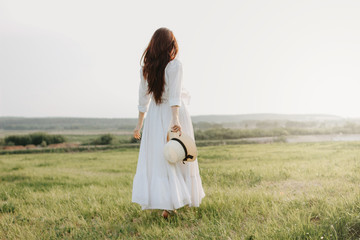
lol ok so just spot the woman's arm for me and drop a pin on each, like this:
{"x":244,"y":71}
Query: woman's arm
{"x":175,"y":123}
{"x":143,"y":104}
{"x":174,"y":72}
{"x":139,"y":125}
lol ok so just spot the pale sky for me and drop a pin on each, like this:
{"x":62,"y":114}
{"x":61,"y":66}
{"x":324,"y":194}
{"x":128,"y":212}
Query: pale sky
{"x":81,"y":58}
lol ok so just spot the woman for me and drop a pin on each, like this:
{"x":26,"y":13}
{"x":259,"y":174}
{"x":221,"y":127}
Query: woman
{"x":159,"y":184}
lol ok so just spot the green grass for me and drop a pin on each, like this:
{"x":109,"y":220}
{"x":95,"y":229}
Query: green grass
{"x":253,"y":191}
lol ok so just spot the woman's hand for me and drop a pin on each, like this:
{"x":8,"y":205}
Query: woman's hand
{"x":175,"y":125}
{"x":138,"y":127}
{"x":137,"y":134}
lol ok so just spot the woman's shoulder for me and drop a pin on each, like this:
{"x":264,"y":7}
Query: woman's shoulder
{"x":173,"y":65}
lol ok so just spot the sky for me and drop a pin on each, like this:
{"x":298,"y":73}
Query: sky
{"x":82,"y":58}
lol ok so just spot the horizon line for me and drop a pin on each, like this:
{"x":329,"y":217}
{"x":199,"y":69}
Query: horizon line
{"x":199,"y":115}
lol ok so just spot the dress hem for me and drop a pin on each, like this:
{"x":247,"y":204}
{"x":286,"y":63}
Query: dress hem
{"x":145,"y":207}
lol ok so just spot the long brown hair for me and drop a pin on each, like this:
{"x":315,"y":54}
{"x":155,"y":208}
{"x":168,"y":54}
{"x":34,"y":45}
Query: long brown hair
{"x":161,"y":50}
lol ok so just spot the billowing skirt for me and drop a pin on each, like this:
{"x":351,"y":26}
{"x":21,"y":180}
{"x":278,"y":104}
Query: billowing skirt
{"x":158,"y":184}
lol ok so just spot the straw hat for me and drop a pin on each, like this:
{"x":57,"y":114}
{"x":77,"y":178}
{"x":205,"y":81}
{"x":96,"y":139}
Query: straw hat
{"x":179,"y":148}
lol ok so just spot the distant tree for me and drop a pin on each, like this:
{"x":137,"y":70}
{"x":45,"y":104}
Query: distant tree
{"x":33,"y":138}
{"x":43,"y":144}
{"x":104,"y":139}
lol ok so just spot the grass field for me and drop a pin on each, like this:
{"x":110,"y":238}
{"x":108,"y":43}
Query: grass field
{"x":253,"y":191}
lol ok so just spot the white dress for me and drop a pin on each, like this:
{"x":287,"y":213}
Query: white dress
{"x":158,"y":184}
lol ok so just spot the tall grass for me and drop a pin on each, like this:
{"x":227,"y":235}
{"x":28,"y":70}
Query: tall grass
{"x":262,"y":191}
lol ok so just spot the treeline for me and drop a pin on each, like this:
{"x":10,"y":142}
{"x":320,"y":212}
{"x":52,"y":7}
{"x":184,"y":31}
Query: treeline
{"x":200,"y":122}
{"x":227,"y":133}
{"x":214,"y":132}
{"x":46,"y":124}
{"x":44,"y":139}
{"x":32,"y":138}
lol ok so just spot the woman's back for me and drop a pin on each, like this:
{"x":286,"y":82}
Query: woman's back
{"x":173,"y":83}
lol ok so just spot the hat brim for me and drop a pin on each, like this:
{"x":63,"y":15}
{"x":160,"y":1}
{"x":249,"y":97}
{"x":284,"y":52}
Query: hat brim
{"x":187,"y":141}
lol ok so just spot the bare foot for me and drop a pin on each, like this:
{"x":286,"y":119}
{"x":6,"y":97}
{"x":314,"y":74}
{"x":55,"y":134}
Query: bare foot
{"x":165,"y":214}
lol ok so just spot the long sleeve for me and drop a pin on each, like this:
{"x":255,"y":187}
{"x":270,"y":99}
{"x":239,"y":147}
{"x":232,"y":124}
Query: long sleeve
{"x":175,"y":74}
{"x":144,"y":97}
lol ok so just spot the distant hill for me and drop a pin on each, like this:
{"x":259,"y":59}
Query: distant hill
{"x":264,"y":117}
{"x":65,"y":123}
